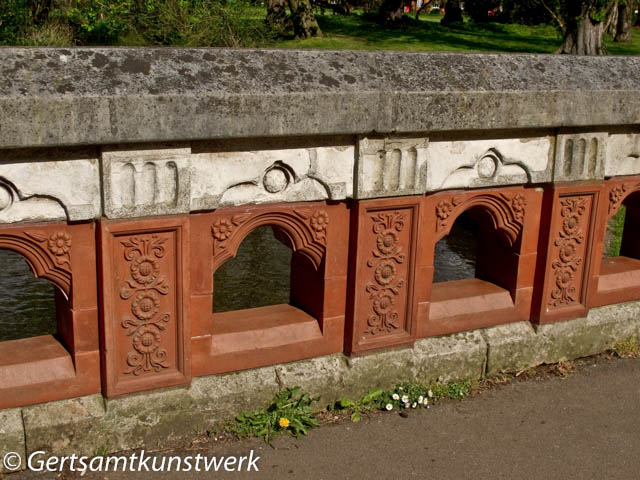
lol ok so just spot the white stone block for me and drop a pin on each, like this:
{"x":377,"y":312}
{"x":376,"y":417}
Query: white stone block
{"x":484,"y":163}
{"x":36,"y":190}
{"x":580,"y":156}
{"x":391,"y":167}
{"x":139,"y":182}
{"x":623,"y":155}
{"x":289,"y":175}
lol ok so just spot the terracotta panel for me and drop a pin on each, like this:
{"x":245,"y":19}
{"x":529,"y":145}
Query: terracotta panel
{"x":569,"y":255}
{"x":64,"y":255}
{"x":508,"y":224}
{"x":145,"y":324}
{"x":312,"y":325}
{"x":381,"y":305}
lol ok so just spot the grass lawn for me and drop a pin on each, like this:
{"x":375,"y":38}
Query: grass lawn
{"x":360,"y":32}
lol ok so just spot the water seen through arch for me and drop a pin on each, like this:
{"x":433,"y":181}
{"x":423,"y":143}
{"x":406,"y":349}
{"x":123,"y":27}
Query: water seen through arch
{"x":27,"y":304}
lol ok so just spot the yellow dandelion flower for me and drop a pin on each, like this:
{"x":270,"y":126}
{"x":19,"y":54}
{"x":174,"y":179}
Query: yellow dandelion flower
{"x":284,"y":422}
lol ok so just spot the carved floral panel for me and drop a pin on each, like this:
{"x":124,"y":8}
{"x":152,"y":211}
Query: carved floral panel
{"x":569,"y":251}
{"x":146,"y":314}
{"x":385,"y":240}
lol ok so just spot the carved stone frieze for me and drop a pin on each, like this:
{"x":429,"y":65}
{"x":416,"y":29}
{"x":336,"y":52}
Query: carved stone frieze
{"x":390,"y":167}
{"x":139,"y":182}
{"x":623,"y":155}
{"x":39,"y":190}
{"x":580,"y":156}
{"x":482,"y":163}
{"x":268,"y":176}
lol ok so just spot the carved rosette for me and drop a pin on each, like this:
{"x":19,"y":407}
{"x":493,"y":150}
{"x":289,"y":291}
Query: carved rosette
{"x":569,"y":258}
{"x":444,"y":209}
{"x":386,"y":285}
{"x":616,"y":195}
{"x":518,"y":204}
{"x":58,"y":244}
{"x":144,"y":287}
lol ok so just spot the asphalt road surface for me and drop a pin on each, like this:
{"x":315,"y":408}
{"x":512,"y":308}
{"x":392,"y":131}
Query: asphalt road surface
{"x":583,"y":426}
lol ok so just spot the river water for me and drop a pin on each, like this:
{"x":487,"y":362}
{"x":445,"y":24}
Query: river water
{"x":258,"y":276}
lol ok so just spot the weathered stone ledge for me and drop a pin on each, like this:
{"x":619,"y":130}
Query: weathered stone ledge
{"x":100,"y":96}
{"x":84,"y":425}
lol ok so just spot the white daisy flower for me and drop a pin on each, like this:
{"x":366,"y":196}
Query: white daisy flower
{"x":405,"y":399}
{"x":395,"y":396}
{"x":389,"y":406}
{"x":430,"y":393}
{"x":406,"y":405}
{"x":420,"y":399}
{"x":400,"y":388}
{"x":414,"y":405}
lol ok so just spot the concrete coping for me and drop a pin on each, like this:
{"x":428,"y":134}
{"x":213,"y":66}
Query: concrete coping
{"x":98,"y":96}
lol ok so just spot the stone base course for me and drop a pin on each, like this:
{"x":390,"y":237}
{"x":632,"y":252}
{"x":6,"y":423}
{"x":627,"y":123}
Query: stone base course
{"x":163,"y":417}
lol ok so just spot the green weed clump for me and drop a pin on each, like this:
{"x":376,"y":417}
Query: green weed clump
{"x":289,"y":412}
{"x":404,"y":396}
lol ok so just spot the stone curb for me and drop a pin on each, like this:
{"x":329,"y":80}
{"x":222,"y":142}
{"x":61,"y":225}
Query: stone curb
{"x":91,"y":424}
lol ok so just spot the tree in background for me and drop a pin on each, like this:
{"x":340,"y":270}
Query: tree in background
{"x":452,"y":13}
{"x":624,"y":19}
{"x":302,"y":18}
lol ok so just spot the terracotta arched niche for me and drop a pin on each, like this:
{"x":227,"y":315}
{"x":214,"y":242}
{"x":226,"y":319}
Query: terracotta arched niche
{"x":303,"y":230}
{"x":48,"y":255}
{"x":508,"y":221}
{"x":618,"y":278}
{"x":310,"y":324}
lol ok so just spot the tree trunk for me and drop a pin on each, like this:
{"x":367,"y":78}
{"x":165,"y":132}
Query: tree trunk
{"x":304,"y":20}
{"x":391,"y":12}
{"x":611,"y":25}
{"x":583,"y":35}
{"x":452,"y":13}
{"x":625,"y":17}
{"x":277,"y":18}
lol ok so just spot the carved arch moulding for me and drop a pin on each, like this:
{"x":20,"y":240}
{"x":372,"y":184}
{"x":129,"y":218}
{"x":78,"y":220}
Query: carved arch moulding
{"x":506,"y":210}
{"x":48,"y":254}
{"x":304,"y":228}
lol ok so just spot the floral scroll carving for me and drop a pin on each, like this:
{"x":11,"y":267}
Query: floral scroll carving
{"x":569,"y":258}
{"x":616,"y":196}
{"x":386,"y":286}
{"x":145,"y":286}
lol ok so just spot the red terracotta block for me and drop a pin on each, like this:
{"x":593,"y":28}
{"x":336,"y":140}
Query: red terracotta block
{"x":312,"y":325}
{"x":507,"y":219}
{"x":381,"y":309}
{"x":41,"y":369}
{"x":567,"y":255}
{"x":617,"y":279}
{"x":145,"y":315}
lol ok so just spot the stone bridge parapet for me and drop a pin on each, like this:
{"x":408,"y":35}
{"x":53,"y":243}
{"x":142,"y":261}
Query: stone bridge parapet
{"x":129,"y":176}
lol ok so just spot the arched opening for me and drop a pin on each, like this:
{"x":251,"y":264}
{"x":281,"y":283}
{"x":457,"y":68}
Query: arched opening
{"x":620,"y":266}
{"x":267,"y":296}
{"x":455,"y":254}
{"x":28,"y":307}
{"x":475,"y":268}
{"x":258,"y":276}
